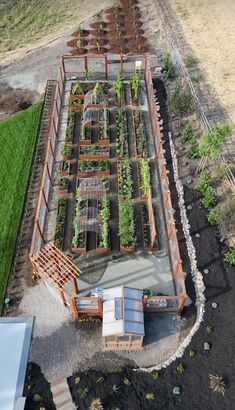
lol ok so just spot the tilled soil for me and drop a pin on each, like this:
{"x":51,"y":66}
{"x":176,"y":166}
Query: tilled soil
{"x":194,"y":383}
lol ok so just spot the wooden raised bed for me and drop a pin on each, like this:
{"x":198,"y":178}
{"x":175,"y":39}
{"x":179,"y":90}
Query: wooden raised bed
{"x":85,"y":142}
{"x":92,"y":173}
{"x":127,"y":249}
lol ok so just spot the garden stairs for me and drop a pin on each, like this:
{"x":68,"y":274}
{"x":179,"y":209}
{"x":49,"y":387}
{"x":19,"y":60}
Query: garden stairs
{"x":61,"y":395}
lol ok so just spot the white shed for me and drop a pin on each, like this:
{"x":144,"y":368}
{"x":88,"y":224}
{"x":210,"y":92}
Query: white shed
{"x":123,"y":319}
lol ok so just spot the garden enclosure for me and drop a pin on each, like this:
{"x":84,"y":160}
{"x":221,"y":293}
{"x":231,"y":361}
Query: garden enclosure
{"x":91,"y":184}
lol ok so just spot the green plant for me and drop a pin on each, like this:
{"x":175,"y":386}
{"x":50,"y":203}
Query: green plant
{"x":119,"y":86}
{"x":83,"y":392}
{"x":190,"y":61}
{"x":205,"y":181}
{"x":209,"y":329}
{"x":169,"y":66}
{"x":155,"y":375}
{"x":125,"y":181}
{"x":149,"y":396}
{"x":188,"y":133}
{"x":180,"y":368}
{"x":115,"y":388}
{"x":100,"y":379}
{"x":135,"y":86}
{"x":181,"y":101}
{"x":64,"y":182}
{"x":105,"y":212}
{"x":194,"y":152}
{"x":126,"y":223}
{"x":37,"y":397}
{"x":214,"y":216}
{"x":212,"y":142}
{"x":77,"y":380}
{"x":126,"y":381}
{"x":230,"y":257}
{"x":192,"y":353}
{"x":195,"y":78}
{"x":67,"y":151}
{"x":145,"y":176}
{"x":210,"y":198}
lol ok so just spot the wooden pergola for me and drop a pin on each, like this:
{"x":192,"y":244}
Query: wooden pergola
{"x":60,"y":276}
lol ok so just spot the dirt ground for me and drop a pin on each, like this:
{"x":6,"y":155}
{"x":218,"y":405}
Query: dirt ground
{"x":210,"y":29}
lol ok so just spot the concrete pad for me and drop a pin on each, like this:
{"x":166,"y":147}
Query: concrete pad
{"x":142,"y":271}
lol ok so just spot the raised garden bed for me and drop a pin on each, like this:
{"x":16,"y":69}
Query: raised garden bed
{"x":122,"y":135}
{"x":60,"y":223}
{"x":67,"y":151}
{"x":94,"y":152}
{"x":65,"y":168}
{"x":140,"y":134}
{"x":98,"y":168}
{"x":64,"y":184}
{"x":125,"y":180}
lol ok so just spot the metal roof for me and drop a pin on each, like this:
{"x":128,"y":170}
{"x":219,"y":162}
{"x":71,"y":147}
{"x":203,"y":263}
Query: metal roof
{"x":122,"y":312}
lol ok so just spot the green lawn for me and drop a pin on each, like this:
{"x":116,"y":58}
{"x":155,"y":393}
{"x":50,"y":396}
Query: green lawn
{"x":17,"y":144}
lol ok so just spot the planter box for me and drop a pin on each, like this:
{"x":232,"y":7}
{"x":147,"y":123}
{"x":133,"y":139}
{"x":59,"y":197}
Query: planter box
{"x":92,"y":173}
{"x":102,"y":250}
{"x":104,"y":142}
{"x":79,"y":250}
{"x":127,"y":249}
{"x":84,"y":142}
{"x":93,"y":157}
{"x":66,"y":157}
{"x":63,"y":192}
{"x":76,"y":107}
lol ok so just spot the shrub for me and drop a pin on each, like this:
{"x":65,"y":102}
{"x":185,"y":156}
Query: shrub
{"x":210,"y":198}
{"x":205,"y":181}
{"x":212,"y":142}
{"x":155,"y":375}
{"x":230,"y":257}
{"x":181,"y":101}
{"x":214,"y":216}
{"x":180,"y":368}
{"x":83,"y":392}
{"x":169,"y":66}
{"x":192,"y":353}
{"x":150,"y":396}
{"x":190,"y":61}
{"x":194,"y":152}
{"x":188,"y":133}
{"x":37,"y":397}
{"x":209,"y":329}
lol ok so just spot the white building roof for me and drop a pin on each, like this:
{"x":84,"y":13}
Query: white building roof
{"x":15,"y":338}
{"x":122,"y":312}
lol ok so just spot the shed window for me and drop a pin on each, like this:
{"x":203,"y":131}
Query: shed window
{"x":118,"y":309}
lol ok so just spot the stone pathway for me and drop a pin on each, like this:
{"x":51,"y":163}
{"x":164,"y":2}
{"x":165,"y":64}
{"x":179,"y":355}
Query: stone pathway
{"x":61,"y":395}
